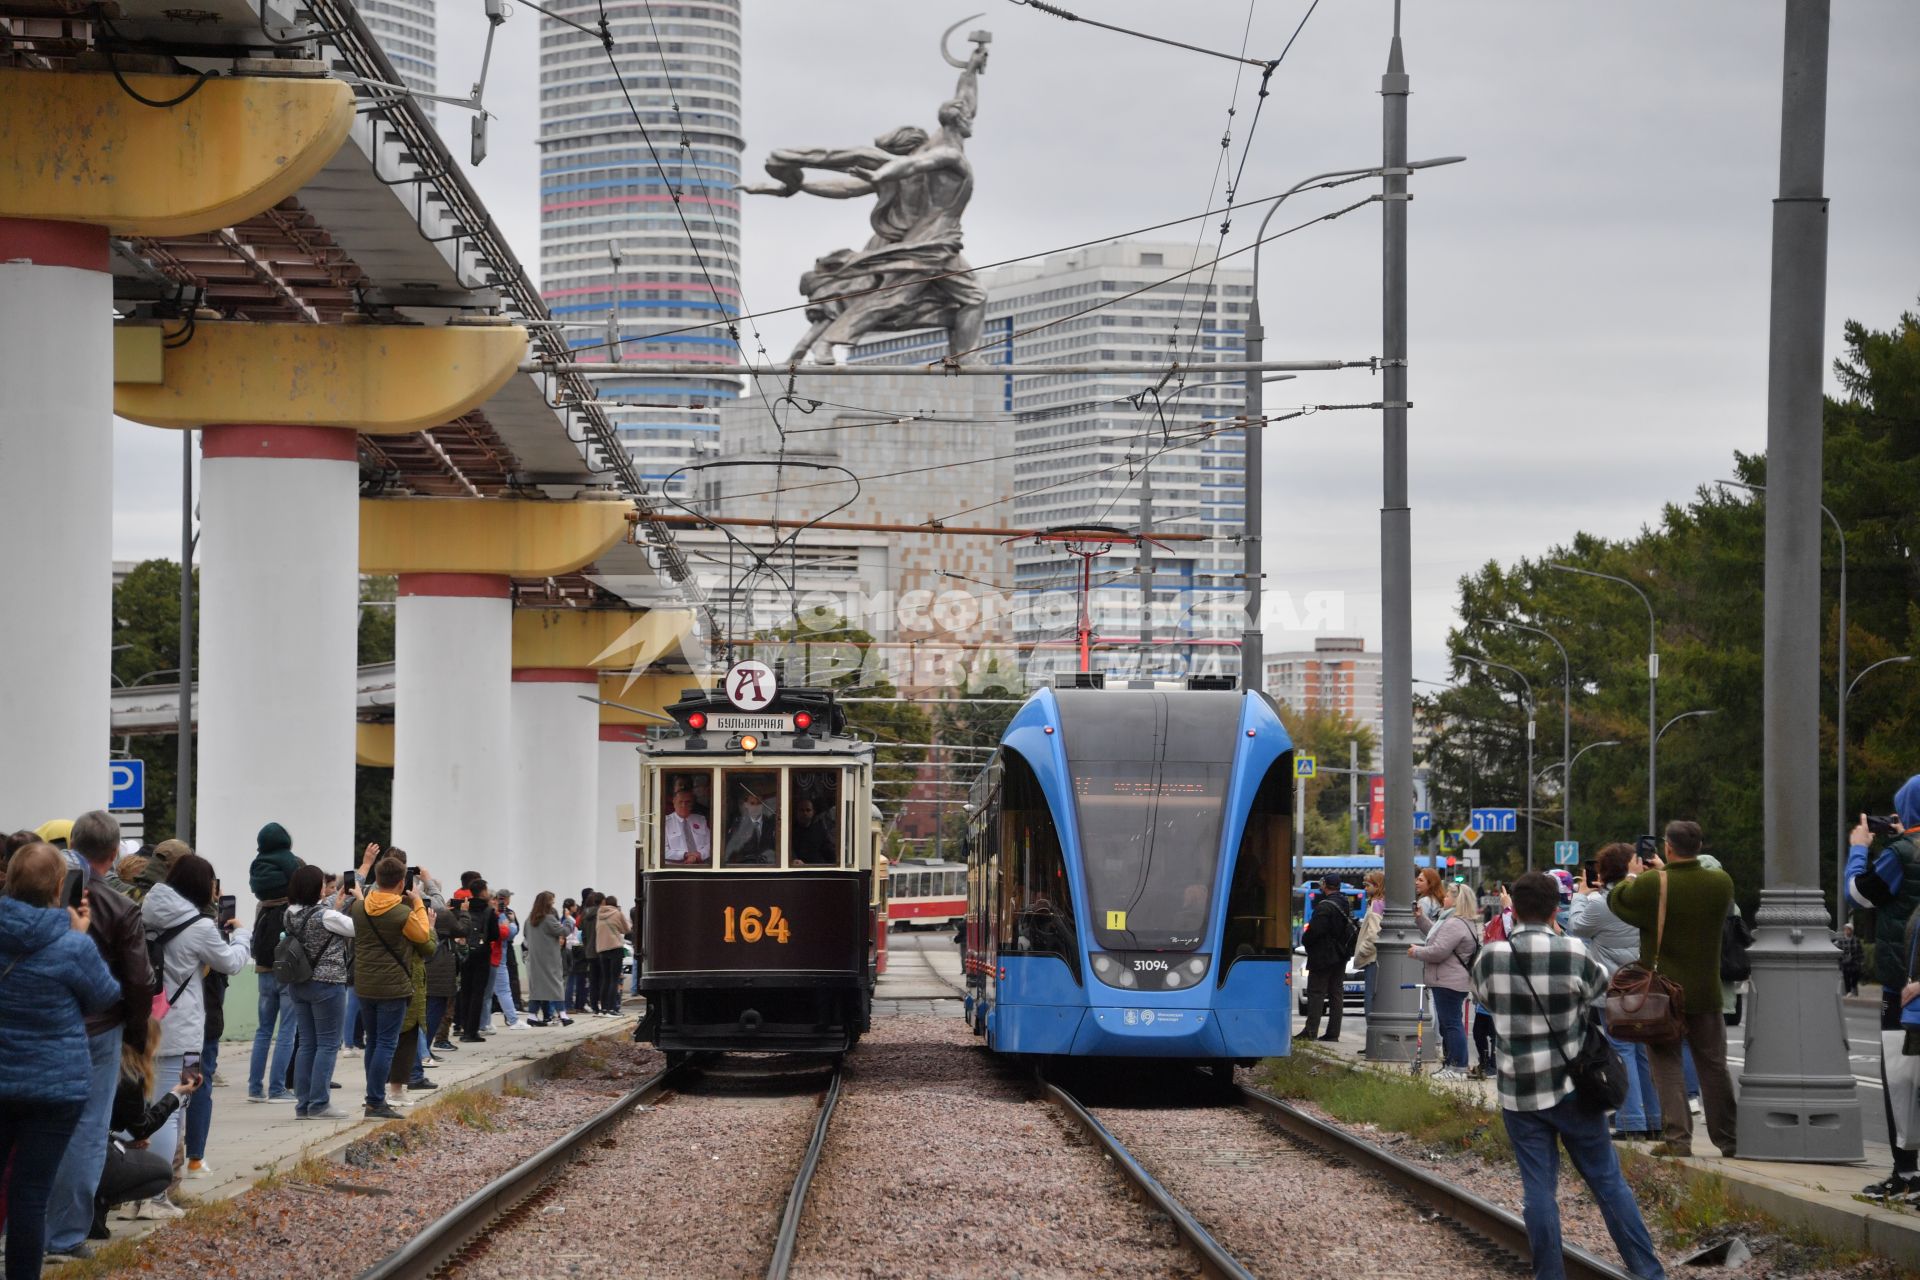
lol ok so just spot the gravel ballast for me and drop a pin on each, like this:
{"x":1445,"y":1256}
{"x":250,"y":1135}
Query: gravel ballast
{"x":941,"y":1163}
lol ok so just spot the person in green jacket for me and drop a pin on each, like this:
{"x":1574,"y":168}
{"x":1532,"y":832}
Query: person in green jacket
{"x":1687,"y":952}
{"x":389,"y":927}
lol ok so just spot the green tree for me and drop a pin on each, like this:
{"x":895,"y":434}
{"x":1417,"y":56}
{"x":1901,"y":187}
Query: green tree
{"x":146,"y":612}
{"x":1701,"y":567}
{"x":373,"y":788}
{"x":1323,"y":733}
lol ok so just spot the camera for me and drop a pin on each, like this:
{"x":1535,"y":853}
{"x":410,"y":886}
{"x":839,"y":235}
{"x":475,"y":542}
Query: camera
{"x":1885,"y":828}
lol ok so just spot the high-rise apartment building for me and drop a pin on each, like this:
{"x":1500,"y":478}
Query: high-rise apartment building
{"x":1083,"y":442}
{"x":405,"y":31}
{"x":1338,"y":674}
{"x":611,"y":233}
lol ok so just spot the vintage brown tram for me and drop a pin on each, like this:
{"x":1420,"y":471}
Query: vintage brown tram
{"x":756,"y":875}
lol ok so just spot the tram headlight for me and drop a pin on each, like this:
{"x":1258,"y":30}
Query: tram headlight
{"x":1196,"y":966}
{"x":1126,"y":978}
{"x":1173,"y":977}
{"x":1102,"y":965}
{"x":748,"y":742}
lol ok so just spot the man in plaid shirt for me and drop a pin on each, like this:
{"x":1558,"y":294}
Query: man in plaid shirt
{"x":1540,"y":986}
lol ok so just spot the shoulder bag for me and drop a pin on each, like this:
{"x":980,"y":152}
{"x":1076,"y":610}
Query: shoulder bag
{"x":292,"y":964}
{"x":1643,"y":1006}
{"x":1598,"y":1074}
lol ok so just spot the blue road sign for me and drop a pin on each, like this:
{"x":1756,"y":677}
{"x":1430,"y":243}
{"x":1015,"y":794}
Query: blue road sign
{"x":1495,"y":820}
{"x":1304,"y":766}
{"x":127,"y":784}
{"x":1566,"y":853}
{"x":1422,"y":820}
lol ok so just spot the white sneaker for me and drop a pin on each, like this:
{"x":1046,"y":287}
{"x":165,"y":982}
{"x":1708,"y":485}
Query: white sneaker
{"x":159,"y":1209}
{"x":1693,"y":1105}
{"x":349,"y":1051}
{"x":331,"y":1113}
{"x":1449,"y":1073}
{"x":199,"y":1169}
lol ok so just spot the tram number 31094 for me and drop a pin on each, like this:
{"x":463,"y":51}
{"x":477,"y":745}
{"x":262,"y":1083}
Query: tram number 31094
{"x":751,"y":925}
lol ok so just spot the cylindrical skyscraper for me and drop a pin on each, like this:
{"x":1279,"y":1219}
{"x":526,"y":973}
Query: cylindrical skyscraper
{"x":405,"y":31}
{"x":611,"y":233}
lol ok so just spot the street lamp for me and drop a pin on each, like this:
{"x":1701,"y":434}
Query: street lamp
{"x":1568,"y":780}
{"x":1566,"y":694}
{"x":1252,"y":643}
{"x":1840,"y":686}
{"x":1653,"y":680}
{"x":1686,"y":715}
{"x":1528,"y":686}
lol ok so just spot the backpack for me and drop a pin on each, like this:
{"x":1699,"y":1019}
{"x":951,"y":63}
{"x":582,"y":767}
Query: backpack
{"x":157,"y":962}
{"x":291,"y":962}
{"x":1735,"y":938}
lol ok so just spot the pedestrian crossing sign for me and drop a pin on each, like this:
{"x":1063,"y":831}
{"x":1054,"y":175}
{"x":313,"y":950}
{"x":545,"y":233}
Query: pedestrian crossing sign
{"x":1304,"y":766}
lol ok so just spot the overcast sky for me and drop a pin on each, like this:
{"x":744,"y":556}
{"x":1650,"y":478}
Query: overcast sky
{"x":1588,"y":293}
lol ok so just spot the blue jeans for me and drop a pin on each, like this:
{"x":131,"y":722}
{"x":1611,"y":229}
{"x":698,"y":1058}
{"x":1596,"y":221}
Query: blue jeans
{"x":384,"y":1018}
{"x":549,"y":1010}
{"x":321,"y":1008}
{"x":1449,"y":1009}
{"x":502,"y":993}
{"x":430,"y":1029}
{"x":200,"y":1105}
{"x":1583,"y":1132}
{"x":70,"y":1199}
{"x":1641,"y":1111}
{"x":276,"y":1004}
{"x":36,"y":1136}
{"x":1372,"y":972}
{"x":351,"y":1032}
{"x":579,"y":983}
{"x":167,"y":1070}
{"x":1686,"y":1066}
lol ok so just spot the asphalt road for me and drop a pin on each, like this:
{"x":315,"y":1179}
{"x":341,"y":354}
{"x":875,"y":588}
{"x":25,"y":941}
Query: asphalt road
{"x":1863,"y":1054}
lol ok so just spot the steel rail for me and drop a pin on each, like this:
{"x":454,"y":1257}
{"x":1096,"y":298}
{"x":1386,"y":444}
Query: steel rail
{"x":426,"y":1254}
{"x":789,"y":1233}
{"x":1481,"y":1217}
{"x":1214,"y":1260}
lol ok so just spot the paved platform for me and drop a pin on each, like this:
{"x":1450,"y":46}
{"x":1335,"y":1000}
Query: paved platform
{"x":923,"y":974}
{"x":1819,"y":1197}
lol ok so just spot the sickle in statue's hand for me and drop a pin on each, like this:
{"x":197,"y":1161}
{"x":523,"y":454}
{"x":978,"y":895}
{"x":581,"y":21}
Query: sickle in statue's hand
{"x":951,"y":60}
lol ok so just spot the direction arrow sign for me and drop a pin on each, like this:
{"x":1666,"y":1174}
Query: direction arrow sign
{"x":1304,"y":766}
{"x":1566,"y":853}
{"x":127,"y":784}
{"x":1495,"y":820}
{"x":1422,"y":820}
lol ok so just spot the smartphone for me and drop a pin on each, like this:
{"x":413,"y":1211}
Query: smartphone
{"x":1591,"y":870}
{"x":413,"y":873}
{"x":347,"y":878}
{"x":1885,"y":828}
{"x":1647,"y":847}
{"x":71,"y":889}
{"x":225,"y":912}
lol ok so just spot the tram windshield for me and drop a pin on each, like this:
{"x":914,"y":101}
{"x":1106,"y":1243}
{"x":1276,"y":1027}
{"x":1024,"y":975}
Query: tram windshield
{"x":1150,"y":774}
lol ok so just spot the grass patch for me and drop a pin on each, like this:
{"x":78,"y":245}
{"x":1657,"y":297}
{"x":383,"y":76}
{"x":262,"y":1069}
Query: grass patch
{"x":514,"y":1089}
{"x":1435,"y":1116}
{"x":471,"y":1108}
{"x":209,"y":1221}
{"x":583,"y":1061}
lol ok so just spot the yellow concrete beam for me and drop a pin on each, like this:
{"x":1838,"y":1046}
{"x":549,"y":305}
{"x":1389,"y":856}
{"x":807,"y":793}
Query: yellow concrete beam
{"x":74,"y":147}
{"x":487,"y":535}
{"x":596,"y":639}
{"x":373,"y":744}
{"x":649,"y":692}
{"x":375,"y":378}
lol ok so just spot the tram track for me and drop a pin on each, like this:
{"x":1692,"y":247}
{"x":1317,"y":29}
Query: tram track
{"x":487,"y":1220}
{"x":1263,"y":1135}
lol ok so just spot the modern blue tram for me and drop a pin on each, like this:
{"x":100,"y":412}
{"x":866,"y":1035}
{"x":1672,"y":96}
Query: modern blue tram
{"x":1129,"y":877}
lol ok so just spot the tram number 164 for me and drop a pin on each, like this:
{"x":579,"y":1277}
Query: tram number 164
{"x":753,"y":925}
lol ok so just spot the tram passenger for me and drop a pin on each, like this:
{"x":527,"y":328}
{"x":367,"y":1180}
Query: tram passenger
{"x":812,"y":842}
{"x":688,"y":838}
{"x":754,"y":839}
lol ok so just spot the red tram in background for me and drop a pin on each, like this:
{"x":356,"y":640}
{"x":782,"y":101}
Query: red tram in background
{"x":922,"y":891}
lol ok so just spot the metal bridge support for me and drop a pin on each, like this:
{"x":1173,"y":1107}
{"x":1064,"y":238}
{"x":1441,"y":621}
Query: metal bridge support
{"x":280,"y":543}
{"x":80,"y":161}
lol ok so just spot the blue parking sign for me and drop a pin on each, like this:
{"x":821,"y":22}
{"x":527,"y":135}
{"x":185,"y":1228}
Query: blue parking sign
{"x":126,"y":784}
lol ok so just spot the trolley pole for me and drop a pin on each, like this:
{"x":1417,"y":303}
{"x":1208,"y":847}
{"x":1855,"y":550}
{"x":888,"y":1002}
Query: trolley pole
{"x":1391,"y":1028}
{"x":1797,"y":1096}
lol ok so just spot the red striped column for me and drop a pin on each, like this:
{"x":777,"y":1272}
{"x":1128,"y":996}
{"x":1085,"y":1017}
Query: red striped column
{"x":56,"y":490}
{"x":556,"y":737}
{"x":279,"y":625}
{"x":453,"y":669}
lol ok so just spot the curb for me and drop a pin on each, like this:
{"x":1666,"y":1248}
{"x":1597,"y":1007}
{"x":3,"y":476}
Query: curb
{"x":1846,"y":1222}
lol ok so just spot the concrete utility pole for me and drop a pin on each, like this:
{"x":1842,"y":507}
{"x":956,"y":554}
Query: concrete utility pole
{"x":1797,"y":1095}
{"x":183,"y":760}
{"x":1390,"y":1028}
{"x":1146,"y":573}
{"x":1353,"y":796}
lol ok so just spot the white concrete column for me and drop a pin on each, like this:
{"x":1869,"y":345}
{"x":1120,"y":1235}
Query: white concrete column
{"x":279,"y":619}
{"x":453,"y":672}
{"x":56,"y":490}
{"x":614,"y":871}
{"x":556,"y":771}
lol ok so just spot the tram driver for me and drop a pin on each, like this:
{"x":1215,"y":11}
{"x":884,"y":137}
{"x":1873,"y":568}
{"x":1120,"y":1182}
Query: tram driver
{"x":754,"y":840}
{"x":688,"y":839}
{"x":812,"y":842}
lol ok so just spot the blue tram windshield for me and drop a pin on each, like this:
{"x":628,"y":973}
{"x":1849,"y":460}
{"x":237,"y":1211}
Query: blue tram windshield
{"x":1150,"y":774}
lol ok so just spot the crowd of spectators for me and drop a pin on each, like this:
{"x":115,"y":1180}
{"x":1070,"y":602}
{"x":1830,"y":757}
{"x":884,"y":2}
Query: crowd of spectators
{"x":113,"y":978}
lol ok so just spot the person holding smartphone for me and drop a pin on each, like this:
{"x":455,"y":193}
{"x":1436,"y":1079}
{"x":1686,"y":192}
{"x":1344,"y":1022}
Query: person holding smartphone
{"x":1889,"y":882}
{"x":1615,"y":943}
